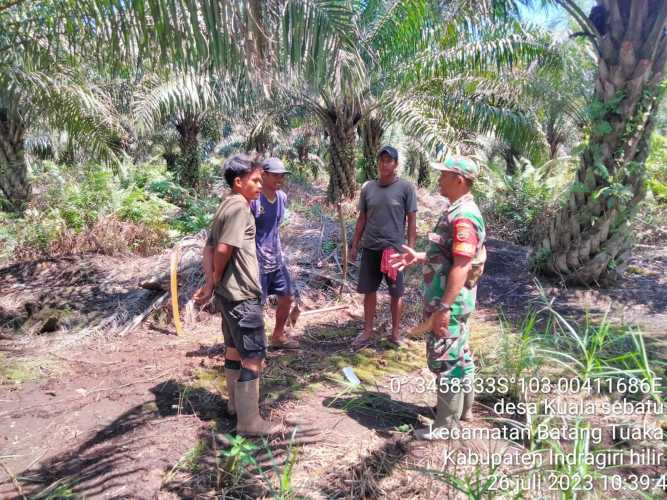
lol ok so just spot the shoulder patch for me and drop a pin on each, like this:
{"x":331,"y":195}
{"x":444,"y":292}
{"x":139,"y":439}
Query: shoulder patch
{"x":463,"y":249}
{"x":465,"y":238}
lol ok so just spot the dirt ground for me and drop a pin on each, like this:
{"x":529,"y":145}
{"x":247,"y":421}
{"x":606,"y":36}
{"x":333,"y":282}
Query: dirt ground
{"x":142,"y":415}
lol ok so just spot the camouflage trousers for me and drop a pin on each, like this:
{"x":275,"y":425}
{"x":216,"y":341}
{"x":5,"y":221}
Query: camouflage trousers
{"x":450,"y":357}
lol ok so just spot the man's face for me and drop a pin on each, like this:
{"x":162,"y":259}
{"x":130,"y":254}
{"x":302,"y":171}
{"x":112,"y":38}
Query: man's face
{"x":273,"y":182}
{"x":387,"y":165}
{"x":250,"y":186}
{"x":446,"y":182}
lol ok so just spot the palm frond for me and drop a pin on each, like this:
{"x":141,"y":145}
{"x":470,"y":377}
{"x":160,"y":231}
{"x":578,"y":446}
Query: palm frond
{"x":311,"y":31}
{"x":425,"y":123}
{"x":401,"y":29}
{"x":187,"y":93}
{"x":66,"y":103}
{"x":481,"y":48}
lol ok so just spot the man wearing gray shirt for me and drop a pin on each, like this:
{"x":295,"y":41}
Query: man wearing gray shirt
{"x":385,"y":205}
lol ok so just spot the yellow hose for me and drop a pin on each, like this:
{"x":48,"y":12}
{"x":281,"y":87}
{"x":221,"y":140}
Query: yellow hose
{"x":174,"y":289}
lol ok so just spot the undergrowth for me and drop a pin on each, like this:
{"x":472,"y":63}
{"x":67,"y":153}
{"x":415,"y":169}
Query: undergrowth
{"x":137,"y":209}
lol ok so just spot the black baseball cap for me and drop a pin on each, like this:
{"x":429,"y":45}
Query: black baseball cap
{"x":274,"y":166}
{"x":389,"y":150}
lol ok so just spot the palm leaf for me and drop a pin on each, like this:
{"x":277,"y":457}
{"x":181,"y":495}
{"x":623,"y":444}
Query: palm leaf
{"x":67,"y":103}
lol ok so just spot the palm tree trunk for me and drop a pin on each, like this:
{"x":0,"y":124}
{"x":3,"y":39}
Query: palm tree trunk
{"x":342,"y":180}
{"x":371,"y":131}
{"x":188,"y":129}
{"x":510,"y":155}
{"x":171,"y":158}
{"x":416,"y":162}
{"x":423,"y":171}
{"x":589,"y":239}
{"x":14,"y":183}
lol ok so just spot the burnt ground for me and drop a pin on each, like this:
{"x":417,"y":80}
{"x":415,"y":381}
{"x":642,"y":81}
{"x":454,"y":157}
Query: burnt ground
{"x":100,"y":415}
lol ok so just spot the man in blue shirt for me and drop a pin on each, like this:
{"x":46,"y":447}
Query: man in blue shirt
{"x":269,"y":211}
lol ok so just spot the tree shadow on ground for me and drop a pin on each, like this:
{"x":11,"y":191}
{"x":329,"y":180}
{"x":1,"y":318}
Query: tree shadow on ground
{"x":81,"y":288}
{"x":101,"y":465}
{"x":212,"y":351}
{"x":507,"y":283}
{"x":378,"y":411}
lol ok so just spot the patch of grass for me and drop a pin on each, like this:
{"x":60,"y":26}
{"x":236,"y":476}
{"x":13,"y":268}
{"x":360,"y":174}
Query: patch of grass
{"x":475,"y":485}
{"x":484,"y":336}
{"x":188,"y":462}
{"x":59,"y":490}
{"x":513,"y":352}
{"x":593,"y":350}
{"x":210,"y":378}
{"x":16,"y":372}
{"x":638,"y":270}
{"x":300,"y":374}
{"x":371,"y":365}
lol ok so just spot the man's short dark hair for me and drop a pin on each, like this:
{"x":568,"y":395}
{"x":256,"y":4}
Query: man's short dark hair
{"x":239,"y":166}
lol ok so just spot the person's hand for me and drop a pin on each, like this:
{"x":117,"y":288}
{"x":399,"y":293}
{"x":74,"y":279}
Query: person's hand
{"x":440,"y":323}
{"x":403,"y":260}
{"x":203,"y":295}
{"x":352,"y":254}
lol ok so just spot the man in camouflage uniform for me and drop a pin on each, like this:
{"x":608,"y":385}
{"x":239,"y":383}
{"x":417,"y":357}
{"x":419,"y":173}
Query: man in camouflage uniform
{"x":453,"y":263}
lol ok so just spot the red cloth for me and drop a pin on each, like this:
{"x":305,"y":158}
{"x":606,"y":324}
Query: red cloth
{"x":385,"y":265}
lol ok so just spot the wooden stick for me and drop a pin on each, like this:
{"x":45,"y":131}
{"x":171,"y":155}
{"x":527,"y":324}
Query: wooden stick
{"x":319,"y":243}
{"x":142,"y":315}
{"x":174,"y":290}
{"x":322,"y":275}
{"x":423,"y":327}
{"x":13,"y":478}
{"x":343,"y":235}
{"x":313,"y":312}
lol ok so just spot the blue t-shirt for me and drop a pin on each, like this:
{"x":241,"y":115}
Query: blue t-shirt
{"x":268,"y":217}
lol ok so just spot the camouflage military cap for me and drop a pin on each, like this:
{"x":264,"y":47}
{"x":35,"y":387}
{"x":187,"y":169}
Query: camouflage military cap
{"x":461,"y":165}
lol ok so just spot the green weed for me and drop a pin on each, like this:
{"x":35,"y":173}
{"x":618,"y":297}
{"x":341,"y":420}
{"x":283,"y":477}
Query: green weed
{"x":188,"y":462}
{"x":519,"y":353}
{"x":63,"y":489}
{"x":475,"y":486}
{"x":17,"y":372}
{"x":283,"y":473}
{"x":238,"y":458}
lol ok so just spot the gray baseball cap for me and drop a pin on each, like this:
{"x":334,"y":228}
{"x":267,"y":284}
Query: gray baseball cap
{"x":274,"y":166}
{"x":389,"y":150}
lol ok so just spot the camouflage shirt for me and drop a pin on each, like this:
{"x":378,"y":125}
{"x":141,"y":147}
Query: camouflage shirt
{"x":459,"y":231}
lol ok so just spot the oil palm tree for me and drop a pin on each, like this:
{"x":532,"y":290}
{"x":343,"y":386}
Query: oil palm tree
{"x":589,"y":238}
{"x":245,"y":38}
{"x":190,"y":104}
{"x":34,"y":99}
{"x":409,"y":62}
{"x":467,"y":83}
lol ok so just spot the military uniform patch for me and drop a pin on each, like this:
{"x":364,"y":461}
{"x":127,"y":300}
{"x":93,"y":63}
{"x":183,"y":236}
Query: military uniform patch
{"x":464,"y":249}
{"x":463,"y":234}
{"x":465,"y":238}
